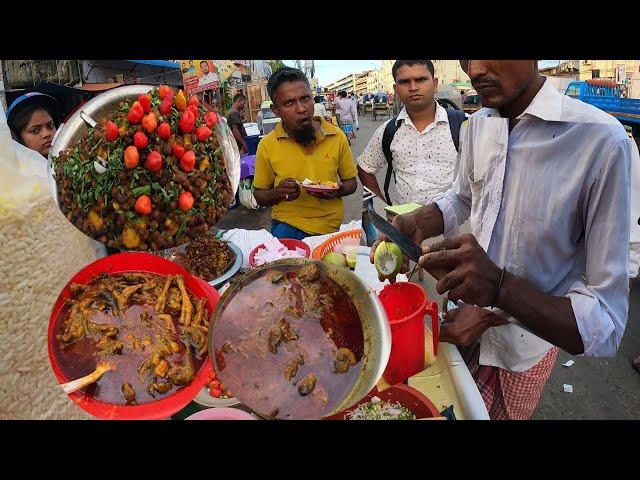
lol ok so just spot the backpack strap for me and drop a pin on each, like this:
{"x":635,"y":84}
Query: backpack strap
{"x":456,"y":118}
{"x":387,"y":137}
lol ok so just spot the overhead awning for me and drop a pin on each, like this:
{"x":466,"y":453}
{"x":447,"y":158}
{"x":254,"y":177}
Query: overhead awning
{"x":157,"y":63}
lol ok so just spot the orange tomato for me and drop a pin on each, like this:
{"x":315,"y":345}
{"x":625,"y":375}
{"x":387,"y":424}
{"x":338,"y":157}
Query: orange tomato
{"x":131,"y":157}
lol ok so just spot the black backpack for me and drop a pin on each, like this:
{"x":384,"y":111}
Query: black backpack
{"x":456,"y":117}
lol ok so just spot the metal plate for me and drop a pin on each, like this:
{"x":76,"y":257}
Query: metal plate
{"x":172,"y":254}
{"x":96,"y":108}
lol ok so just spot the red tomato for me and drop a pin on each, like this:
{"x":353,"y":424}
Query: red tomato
{"x":187,"y":122}
{"x":143,"y":205}
{"x":194,"y":100}
{"x":164,"y":131}
{"x":145,"y":101}
{"x":154,"y":161}
{"x":188,"y":161}
{"x":149,"y":122}
{"x":140,"y":140}
{"x":211,"y":119}
{"x":194,"y":109}
{"x":163,"y":91}
{"x":178,"y":151}
{"x":111,"y":131}
{"x":202,"y":133}
{"x":135,"y":113}
{"x":185,"y":201}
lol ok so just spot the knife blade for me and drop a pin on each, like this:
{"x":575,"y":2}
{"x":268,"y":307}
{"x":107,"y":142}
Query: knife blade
{"x":408,"y":246}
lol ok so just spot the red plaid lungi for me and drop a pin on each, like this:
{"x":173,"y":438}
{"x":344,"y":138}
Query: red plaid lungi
{"x":509,"y":395}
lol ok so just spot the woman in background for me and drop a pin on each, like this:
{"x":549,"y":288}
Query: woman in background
{"x":33,"y":121}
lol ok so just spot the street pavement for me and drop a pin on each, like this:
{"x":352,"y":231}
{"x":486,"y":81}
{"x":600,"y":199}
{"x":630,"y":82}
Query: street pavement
{"x":603,"y":388}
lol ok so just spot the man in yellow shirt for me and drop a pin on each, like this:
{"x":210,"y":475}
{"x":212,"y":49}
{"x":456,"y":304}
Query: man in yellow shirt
{"x":301,"y":147}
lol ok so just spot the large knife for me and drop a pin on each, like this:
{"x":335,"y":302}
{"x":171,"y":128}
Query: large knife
{"x":408,"y":246}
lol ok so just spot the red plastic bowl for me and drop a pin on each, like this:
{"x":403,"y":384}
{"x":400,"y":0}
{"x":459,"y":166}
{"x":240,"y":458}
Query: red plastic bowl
{"x":290,"y":243}
{"x":407,"y":396}
{"x":127,"y":263}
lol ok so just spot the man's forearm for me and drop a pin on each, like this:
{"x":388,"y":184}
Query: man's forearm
{"x":238,"y":136}
{"x":370,"y":181}
{"x":267,"y":197}
{"x":548,"y":317}
{"x":348,"y":187}
{"x":430,"y":220}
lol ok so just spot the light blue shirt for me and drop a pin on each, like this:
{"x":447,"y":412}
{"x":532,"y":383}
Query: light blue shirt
{"x":550,"y":201}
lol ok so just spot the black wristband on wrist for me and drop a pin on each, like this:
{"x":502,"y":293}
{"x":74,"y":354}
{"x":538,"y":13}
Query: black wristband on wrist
{"x":495,"y":300}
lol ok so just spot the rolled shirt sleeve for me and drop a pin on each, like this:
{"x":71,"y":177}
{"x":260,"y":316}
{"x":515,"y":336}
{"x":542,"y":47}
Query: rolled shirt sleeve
{"x":601,"y":303}
{"x":264,"y":176}
{"x":455,"y":203}
{"x":372,"y":159}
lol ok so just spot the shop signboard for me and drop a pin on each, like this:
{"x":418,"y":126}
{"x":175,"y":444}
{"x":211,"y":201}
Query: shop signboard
{"x":199,"y":76}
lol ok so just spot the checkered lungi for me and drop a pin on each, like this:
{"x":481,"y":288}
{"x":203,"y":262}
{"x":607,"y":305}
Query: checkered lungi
{"x":509,"y":395}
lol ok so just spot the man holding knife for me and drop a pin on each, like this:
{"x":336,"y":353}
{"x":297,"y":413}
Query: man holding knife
{"x":545,"y":182}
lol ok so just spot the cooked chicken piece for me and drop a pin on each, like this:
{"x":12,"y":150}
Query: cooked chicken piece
{"x":160,"y":387}
{"x":108,"y":346}
{"x":346,"y":355}
{"x":182,"y":374}
{"x":110,"y":301}
{"x":309,"y":273}
{"x":275,"y":337}
{"x":340,"y":366}
{"x":95,"y":329}
{"x":162,"y":368}
{"x":175,"y":298}
{"x":167,"y":321}
{"x":274,"y":276}
{"x":162,"y":299}
{"x":124,"y":296}
{"x":129,"y":394}
{"x":200,"y":311}
{"x":292,"y":367}
{"x":195,"y":337}
{"x":77,"y":289}
{"x":287,"y":333}
{"x":187,"y":307}
{"x":307,"y":384}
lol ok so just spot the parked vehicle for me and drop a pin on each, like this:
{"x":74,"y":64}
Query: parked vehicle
{"x":471,"y":102}
{"x":610,"y":97}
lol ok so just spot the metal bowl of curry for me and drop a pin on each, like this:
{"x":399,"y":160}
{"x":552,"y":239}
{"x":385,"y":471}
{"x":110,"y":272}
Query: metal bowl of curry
{"x":299,"y":339}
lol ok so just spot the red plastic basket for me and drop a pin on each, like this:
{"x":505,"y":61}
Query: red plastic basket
{"x":329,"y":244}
{"x":290,"y":243}
{"x":145,"y":263}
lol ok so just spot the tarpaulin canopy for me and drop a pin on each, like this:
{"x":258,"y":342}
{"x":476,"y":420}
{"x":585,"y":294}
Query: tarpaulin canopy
{"x":157,"y":63}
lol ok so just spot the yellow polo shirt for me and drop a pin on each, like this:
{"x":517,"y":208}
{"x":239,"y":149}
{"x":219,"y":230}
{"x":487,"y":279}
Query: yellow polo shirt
{"x":279,"y":157}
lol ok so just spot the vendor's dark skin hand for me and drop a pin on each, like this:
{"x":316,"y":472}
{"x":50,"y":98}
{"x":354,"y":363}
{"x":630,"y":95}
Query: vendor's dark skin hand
{"x":345,"y":188}
{"x":462,"y":326}
{"x":472,"y":276}
{"x":406,"y":224}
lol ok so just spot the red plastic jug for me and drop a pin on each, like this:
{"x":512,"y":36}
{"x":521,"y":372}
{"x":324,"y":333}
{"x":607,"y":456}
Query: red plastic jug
{"x":406,"y":305}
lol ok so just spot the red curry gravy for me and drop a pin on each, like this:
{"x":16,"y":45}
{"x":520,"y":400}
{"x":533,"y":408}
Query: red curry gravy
{"x":323,"y":322}
{"x":80,"y":357}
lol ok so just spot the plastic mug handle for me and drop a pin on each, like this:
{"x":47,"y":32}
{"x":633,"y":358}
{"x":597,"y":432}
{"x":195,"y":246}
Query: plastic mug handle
{"x":432,"y":310}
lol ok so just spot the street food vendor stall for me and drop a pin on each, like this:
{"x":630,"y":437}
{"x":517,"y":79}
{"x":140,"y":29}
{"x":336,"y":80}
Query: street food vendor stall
{"x":146,"y":334}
